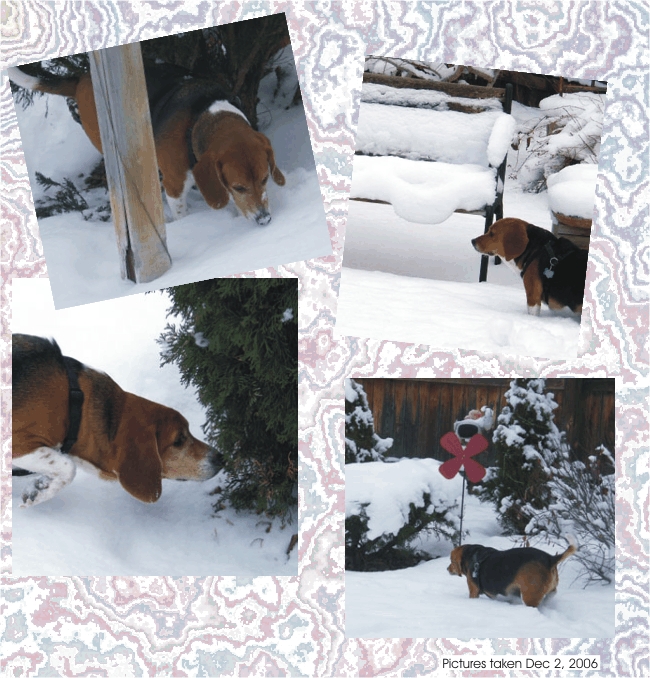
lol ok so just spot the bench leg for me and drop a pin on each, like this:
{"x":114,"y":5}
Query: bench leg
{"x":482,"y":277}
{"x":489,"y":218}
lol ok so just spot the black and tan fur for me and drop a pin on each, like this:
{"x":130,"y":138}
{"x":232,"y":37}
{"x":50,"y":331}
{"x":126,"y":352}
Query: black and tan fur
{"x":527,"y":572}
{"x":122,"y":436}
{"x":525,"y":247}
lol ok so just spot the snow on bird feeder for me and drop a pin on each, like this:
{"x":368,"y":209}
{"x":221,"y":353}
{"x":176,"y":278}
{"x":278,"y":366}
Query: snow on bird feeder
{"x":470,"y":431}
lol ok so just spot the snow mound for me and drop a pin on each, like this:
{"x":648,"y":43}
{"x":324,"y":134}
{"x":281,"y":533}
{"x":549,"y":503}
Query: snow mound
{"x":423,"y":192}
{"x":387,"y":490}
{"x":571,"y":191}
{"x":500,"y":139}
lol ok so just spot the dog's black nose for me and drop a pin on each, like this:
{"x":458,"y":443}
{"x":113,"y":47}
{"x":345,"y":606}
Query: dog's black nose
{"x":263,"y":217}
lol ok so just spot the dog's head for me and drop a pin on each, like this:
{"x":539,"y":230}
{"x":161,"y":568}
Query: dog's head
{"x":506,"y":238}
{"x":237,"y":163}
{"x":245,"y":171}
{"x":152,"y":442}
{"x":456,"y":565}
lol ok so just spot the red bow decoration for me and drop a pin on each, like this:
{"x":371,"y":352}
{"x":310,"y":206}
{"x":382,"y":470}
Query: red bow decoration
{"x":463,"y":457}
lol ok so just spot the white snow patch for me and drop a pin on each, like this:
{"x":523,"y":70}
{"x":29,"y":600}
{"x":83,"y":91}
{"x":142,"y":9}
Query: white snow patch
{"x":484,"y":317}
{"x":200,"y":340}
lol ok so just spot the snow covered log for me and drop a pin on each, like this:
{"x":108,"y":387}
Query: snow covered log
{"x":452,"y":89}
{"x":440,"y":136}
{"x":426,"y":98}
{"x":423,"y":192}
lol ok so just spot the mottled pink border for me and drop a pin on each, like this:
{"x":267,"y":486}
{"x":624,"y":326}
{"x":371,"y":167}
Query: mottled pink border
{"x":272,"y":625}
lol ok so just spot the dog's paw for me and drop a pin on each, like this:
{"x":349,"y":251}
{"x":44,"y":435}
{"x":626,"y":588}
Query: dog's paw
{"x":534,"y":310}
{"x":36,"y":492}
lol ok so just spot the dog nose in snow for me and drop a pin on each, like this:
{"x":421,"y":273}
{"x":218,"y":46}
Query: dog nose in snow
{"x":263,"y":218}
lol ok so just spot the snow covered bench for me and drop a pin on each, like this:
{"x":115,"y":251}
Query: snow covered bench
{"x":415,"y":152}
{"x":571,"y":193}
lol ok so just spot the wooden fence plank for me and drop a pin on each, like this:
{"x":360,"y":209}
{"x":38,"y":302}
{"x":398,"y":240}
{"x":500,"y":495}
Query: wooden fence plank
{"x":417,"y":412}
{"x":130,"y":157}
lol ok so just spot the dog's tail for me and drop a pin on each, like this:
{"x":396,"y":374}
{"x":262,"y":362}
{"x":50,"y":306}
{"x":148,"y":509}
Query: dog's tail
{"x":65,"y":87}
{"x":569,"y":552}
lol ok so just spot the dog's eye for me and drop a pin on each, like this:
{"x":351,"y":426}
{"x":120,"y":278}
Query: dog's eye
{"x":239,"y":189}
{"x":180,"y":440}
{"x":264,"y":181}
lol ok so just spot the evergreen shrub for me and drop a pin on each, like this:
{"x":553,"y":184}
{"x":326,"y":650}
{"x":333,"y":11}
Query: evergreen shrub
{"x":237,"y":344}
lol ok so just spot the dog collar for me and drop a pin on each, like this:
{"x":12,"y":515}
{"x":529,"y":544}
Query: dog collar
{"x":75,"y":403}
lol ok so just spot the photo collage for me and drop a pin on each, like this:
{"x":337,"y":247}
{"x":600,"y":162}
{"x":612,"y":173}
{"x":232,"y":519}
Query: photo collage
{"x":317,"y":336}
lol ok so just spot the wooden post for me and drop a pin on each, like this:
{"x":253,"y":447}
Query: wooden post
{"x":130,"y":157}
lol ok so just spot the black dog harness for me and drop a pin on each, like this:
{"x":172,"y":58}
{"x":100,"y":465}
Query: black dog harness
{"x":476,"y":563}
{"x":549,"y":259}
{"x":75,"y":403}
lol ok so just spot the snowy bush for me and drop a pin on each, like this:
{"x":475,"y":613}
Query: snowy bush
{"x":388,"y":506}
{"x":582,"y":504}
{"x":567,"y":133}
{"x":527,"y":445}
{"x":361,"y":441}
{"x":67,"y":197}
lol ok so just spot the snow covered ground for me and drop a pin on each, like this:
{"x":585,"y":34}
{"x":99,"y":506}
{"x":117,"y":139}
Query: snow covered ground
{"x":427,"y":602}
{"x":418,"y":283}
{"x":82,"y":257}
{"x":94,"y":527}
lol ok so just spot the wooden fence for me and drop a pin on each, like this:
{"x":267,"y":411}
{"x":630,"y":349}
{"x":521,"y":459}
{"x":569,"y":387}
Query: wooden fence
{"x":416,"y":413}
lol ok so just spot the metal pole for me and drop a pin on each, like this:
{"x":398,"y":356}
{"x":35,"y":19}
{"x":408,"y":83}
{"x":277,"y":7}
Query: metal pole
{"x":462,"y":508}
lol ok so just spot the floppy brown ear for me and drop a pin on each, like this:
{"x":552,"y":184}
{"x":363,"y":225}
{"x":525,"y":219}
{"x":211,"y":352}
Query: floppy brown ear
{"x":278,"y":177}
{"x":515,"y":240}
{"x":139,"y":467}
{"x":209,"y":182}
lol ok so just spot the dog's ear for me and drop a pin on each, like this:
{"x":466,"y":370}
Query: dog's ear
{"x":208,"y":180}
{"x":456,"y":558}
{"x":278,"y":177}
{"x":139,"y":467}
{"x":515,"y":240}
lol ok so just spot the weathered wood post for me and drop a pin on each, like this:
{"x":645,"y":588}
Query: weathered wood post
{"x":120,"y":91}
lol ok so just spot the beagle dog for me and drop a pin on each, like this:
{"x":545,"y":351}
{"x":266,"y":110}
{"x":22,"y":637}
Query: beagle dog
{"x":121,"y":436}
{"x":553,"y":269}
{"x":200,"y":138}
{"x":527,"y":572}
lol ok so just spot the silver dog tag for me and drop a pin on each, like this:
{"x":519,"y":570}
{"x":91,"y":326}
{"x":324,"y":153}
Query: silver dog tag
{"x":549,"y":273}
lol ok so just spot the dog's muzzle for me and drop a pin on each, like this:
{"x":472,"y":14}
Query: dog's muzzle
{"x":475,"y":247}
{"x":263,"y":217}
